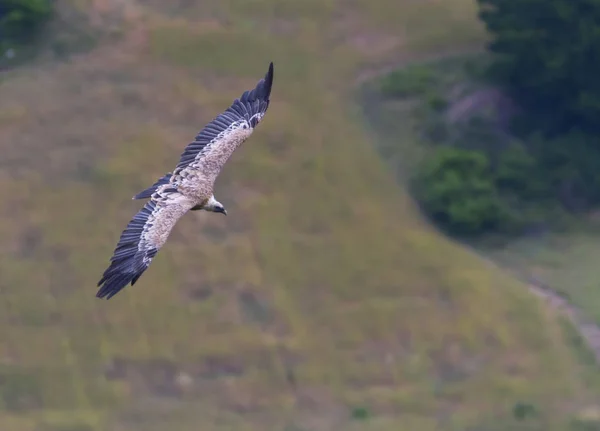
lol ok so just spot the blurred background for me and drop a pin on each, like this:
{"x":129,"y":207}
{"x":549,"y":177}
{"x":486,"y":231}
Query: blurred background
{"x":412,"y":238}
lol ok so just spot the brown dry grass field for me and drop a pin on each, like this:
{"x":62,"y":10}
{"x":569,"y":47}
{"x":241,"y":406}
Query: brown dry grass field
{"x":322,"y":301}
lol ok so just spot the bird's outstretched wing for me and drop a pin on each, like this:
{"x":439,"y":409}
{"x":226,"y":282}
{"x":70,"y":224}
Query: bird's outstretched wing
{"x":142,"y":238}
{"x":213,"y":146}
{"x":145,"y":194}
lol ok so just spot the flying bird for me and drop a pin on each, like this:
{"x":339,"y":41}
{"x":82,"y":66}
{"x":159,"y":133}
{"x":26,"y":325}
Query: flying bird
{"x":188,"y":188}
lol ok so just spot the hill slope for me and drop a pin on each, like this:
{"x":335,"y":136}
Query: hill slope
{"x":322,"y":293}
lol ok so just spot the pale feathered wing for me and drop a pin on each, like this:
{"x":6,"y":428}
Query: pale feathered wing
{"x":202,"y":159}
{"x":145,"y":234}
{"x":176,"y":193}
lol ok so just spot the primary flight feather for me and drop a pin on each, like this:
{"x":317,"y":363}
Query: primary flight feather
{"x":188,"y":188}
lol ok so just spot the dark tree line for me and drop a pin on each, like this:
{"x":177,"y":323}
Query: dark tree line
{"x":545,"y":55}
{"x":548,"y":58}
{"x":20,"y":20}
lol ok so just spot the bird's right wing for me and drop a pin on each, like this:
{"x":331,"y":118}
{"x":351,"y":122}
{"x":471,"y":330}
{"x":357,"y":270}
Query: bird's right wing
{"x":215,"y":143}
{"x":145,"y":234}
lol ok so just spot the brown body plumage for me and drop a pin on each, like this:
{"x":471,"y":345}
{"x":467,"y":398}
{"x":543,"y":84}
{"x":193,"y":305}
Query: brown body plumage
{"x":189,"y":187}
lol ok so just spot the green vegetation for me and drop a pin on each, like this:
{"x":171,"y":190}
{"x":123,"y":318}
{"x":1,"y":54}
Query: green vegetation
{"x":415,"y":80}
{"x":456,"y":187}
{"x":551,"y":183}
{"x":323,"y":301}
{"x":21,"y":20}
{"x":543,"y":158}
{"x":469,"y":193}
{"x":550,"y":168}
{"x":547,"y":58}
{"x":34,"y":30}
{"x":471,"y":178}
{"x":523,"y":183}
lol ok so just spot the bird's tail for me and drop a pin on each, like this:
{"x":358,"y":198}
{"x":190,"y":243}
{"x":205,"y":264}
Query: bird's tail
{"x":148,"y":192}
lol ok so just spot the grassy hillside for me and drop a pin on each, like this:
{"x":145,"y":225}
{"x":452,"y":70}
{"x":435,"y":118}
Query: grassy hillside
{"x":322,"y":302}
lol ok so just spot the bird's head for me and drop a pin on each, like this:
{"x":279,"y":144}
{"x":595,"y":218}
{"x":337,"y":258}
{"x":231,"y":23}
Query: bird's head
{"x":215,"y":206}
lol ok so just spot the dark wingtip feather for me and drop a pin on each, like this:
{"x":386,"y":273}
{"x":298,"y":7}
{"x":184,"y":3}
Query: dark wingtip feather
{"x":268,"y":83}
{"x":121,"y":272}
{"x":262,"y":91}
{"x":111,"y":286}
{"x":117,"y":277}
{"x":128,"y":261}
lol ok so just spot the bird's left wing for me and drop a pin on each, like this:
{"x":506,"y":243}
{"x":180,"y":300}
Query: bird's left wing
{"x":145,"y":234}
{"x":213,"y":146}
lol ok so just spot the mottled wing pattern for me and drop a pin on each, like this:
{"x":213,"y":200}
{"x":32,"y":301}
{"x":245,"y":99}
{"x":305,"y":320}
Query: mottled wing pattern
{"x":218,"y":140}
{"x":142,"y":238}
{"x":201,"y":161}
{"x":150,"y":190}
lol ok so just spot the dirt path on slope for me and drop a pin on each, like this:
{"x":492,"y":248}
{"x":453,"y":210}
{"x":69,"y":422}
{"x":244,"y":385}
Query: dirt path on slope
{"x":588,"y":329}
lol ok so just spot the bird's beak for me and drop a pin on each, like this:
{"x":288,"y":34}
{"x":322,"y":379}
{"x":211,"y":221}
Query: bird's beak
{"x":224,"y":211}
